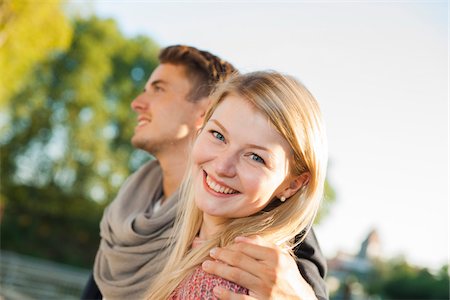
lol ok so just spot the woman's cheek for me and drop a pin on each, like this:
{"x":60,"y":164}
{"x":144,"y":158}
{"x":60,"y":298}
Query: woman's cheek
{"x":252,"y":181}
{"x":198,"y":150}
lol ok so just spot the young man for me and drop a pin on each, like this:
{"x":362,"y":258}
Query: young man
{"x":136,"y":225}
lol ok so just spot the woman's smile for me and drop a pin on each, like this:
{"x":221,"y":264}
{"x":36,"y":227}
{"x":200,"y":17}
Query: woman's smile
{"x":219,"y":188}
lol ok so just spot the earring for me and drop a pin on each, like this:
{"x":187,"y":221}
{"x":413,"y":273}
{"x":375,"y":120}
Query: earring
{"x":282,"y":198}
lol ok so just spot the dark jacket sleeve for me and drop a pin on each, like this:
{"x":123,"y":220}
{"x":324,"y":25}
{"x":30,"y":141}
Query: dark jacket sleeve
{"x":312,"y":265}
{"x":91,"y":291}
{"x":310,"y":262}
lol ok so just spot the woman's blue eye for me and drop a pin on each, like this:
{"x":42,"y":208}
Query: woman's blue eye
{"x":218,"y":135}
{"x":257,"y":158}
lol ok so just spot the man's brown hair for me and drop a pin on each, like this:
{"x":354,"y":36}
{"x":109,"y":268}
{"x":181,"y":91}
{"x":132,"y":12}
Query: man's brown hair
{"x":203,"y":69}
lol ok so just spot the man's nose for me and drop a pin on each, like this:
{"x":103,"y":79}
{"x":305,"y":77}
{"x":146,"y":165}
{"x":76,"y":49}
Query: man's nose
{"x":140,"y":103}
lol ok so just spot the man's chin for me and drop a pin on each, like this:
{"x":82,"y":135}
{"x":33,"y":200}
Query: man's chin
{"x":140,"y":143}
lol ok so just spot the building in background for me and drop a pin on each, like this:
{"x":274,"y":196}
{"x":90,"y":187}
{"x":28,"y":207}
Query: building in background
{"x":348,"y":272}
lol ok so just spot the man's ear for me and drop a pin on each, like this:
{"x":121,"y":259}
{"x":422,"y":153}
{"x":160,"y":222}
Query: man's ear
{"x":202,"y":107}
{"x":295,"y":183}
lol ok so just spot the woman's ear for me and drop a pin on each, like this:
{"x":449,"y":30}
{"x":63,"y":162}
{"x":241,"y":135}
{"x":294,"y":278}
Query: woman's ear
{"x":295,"y":184}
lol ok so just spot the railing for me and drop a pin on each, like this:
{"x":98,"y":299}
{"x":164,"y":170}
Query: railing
{"x":23,"y":277}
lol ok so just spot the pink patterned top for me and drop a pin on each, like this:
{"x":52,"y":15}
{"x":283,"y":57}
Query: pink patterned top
{"x":200,"y":285}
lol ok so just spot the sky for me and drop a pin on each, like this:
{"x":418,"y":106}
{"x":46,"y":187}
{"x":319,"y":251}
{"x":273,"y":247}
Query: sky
{"x":379,"y":71}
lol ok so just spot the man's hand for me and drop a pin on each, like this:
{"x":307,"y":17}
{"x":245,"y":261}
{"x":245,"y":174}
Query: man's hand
{"x":259,"y":266}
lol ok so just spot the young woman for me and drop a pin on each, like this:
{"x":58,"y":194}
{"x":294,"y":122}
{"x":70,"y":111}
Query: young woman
{"x":258,"y":167}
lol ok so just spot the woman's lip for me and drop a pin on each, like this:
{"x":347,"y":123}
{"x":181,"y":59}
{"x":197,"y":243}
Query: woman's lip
{"x":218,"y":181}
{"x":210,"y":190}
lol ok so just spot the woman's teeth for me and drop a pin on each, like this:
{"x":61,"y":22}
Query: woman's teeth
{"x":218,"y":188}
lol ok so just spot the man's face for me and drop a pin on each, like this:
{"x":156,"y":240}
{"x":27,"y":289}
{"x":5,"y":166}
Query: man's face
{"x":165,"y":117}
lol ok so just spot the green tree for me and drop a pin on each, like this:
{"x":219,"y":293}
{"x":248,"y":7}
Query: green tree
{"x":22,"y":43}
{"x":399,"y":280}
{"x":66,"y":150}
{"x":327,"y":203}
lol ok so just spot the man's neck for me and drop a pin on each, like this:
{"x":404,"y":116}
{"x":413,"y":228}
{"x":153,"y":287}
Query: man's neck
{"x":173,"y":165}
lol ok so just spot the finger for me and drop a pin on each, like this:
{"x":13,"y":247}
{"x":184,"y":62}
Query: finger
{"x":233,"y":274}
{"x":237,"y":259}
{"x":256,"y":248}
{"x":253,"y":239}
{"x":224,"y":294}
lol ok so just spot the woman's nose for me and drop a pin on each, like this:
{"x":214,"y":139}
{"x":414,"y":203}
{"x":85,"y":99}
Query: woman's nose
{"x":225,"y":164}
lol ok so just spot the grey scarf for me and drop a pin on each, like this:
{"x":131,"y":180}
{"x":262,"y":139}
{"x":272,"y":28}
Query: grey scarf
{"x":132,"y":237}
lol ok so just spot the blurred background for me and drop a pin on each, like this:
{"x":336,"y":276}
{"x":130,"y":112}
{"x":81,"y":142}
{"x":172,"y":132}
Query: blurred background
{"x":379,"y":70}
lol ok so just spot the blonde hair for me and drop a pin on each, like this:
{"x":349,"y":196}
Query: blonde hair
{"x":294,"y":112}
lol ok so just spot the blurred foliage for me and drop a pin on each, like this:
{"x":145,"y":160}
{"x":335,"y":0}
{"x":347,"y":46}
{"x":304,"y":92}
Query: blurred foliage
{"x":390,"y":279}
{"x":64,"y":137}
{"x":22,"y":43}
{"x":65,"y":127}
{"x":328,"y":200}
{"x":397,"y":279}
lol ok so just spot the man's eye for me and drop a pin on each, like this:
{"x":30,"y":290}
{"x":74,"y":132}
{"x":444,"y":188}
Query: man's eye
{"x":218,"y":135}
{"x":158,"y":88}
{"x":257,"y":158}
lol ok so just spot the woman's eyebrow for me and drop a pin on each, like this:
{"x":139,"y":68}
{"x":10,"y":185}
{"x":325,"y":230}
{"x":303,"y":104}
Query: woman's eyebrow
{"x":220,"y":125}
{"x":259,"y":147}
